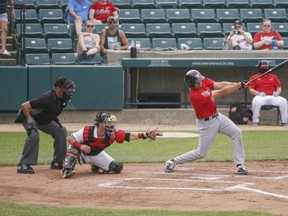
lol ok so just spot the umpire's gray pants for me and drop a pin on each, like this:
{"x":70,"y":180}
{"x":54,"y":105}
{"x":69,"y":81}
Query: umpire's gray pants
{"x":31,"y":146}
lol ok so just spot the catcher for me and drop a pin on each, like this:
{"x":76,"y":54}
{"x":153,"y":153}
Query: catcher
{"x":89,"y":143}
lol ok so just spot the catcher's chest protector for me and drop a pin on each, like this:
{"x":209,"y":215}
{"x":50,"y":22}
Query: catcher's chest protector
{"x":97,"y":144}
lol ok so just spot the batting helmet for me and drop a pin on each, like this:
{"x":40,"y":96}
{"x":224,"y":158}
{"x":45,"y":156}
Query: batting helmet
{"x":263,"y":66}
{"x":192,"y":77}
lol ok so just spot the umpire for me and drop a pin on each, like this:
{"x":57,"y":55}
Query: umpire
{"x":42,"y":114}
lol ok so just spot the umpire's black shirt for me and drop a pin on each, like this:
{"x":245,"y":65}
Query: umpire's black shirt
{"x":46,"y":108}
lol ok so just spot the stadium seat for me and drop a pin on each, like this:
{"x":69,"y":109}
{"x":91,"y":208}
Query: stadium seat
{"x":285,"y":39}
{"x":63,"y":4}
{"x":262,"y":4}
{"x":34,"y":45}
{"x":46,"y":4}
{"x":212,"y":43}
{"x":193,"y":43}
{"x":275,"y":14}
{"x":134,"y":30}
{"x":227,"y":15}
{"x":37,"y":59}
{"x":164,"y":44}
{"x":158,"y":30}
{"x":253,"y":28}
{"x":190,"y":4}
{"x":145,"y":43}
{"x":63,"y":59}
{"x":28,"y":4}
{"x":129,"y":16}
{"x":178,"y":15}
{"x":280,"y":3}
{"x":122,"y":4}
{"x":209,"y":30}
{"x":227,"y":28}
{"x":51,"y":16}
{"x":29,"y":30}
{"x":143,"y":4}
{"x":153,"y":16}
{"x":99,"y":27}
{"x":238,"y":4}
{"x":203,"y":15}
{"x":56,"y":30}
{"x":30,"y":16}
{"x":251,"y":15}
{"x":60,"y":45}
{"x":282,"y":28}
{"x":184,"y":30}
{"x":95,"y":59}
{"x":215,"y":4}
{"x":166,"y":4}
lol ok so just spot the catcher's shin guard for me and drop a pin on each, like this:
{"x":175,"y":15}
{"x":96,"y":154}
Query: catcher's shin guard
{"x":115,"y":167}
{"x":70,"y":162}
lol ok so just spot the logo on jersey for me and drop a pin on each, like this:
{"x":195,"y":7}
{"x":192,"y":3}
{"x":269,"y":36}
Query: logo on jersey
{"x":206,"y":93}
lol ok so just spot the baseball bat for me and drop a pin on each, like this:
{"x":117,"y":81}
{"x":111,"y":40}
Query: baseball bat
{"x":276,"y":67}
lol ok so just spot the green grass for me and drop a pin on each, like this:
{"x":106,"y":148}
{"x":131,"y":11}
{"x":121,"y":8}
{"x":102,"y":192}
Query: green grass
{"x":259,"y":146}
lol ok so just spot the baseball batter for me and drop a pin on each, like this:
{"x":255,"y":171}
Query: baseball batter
{"x":266,"y":91}
{"x":89,"y":143}
{"x":203,"y":92}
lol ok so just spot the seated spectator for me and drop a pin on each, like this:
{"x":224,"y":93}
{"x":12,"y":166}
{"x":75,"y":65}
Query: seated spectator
{"x":101,"y":10}
{"x":4,"y":24}
{"x":112,"y":37}
{"x":263,"y":39}
{"x":88,"y":42}
{"x":77,"y":12}
{"x":266,"y":91}
{"x":239,"y":39}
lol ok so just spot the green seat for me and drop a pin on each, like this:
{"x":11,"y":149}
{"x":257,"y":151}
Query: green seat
{"x":166,"y":4}
{"x":129,"y":16}
{"x":37,"y":59}
{"x":184,"y":30}
{"x":190,"y":4}
{"x":134,"y":30}
{"x":153,"y":16}
{"x":203,"y":15}
{"x":92,"y":60}
{"x":278,"y":3}
{"x":209,"y":30}
{"x":60,"y":45}
{"x":34,"y":45}
{"x":227,"y":28}
{"x":164,"y":44}
{"x":275,"y":14}
{"x":63,"y":59}
{"x":56,"y":30}
{"x":46,"y":4}
{"x":238,"y":4}
{"x":27,"y":4}
{"x":51,"y":16}
{"x":30,"y":16}
{"x":253,"y":28}
{"x":122,"y":4}
{"x":159,"y":30}
{"x":285,"y":39}
{"x":281,"y":27}
{"x":29,"y":30}
{"x":261,"y":4}
{"x":193,"y":43}
{"x":215,"y":4}
{"x":227,"y":15}
{"x":212,"y":43}
{"x":251,"y":15}
{"x":178,"y":15}
{"x":143,"y":4}
{"x":145,"y":43}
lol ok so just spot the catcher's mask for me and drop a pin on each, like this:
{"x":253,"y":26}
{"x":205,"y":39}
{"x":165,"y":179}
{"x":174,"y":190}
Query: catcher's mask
{"x":192,"y":77}
{"x":109,"y":122}
{"x":68,"y":87}
{"x":263,"y":66}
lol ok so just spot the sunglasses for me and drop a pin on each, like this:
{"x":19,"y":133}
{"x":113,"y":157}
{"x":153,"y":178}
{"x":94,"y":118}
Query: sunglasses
{"x":89,"y":26}
{"x":237,"y":27}
{"x":112,"y":22}
{"x":266,"y":25}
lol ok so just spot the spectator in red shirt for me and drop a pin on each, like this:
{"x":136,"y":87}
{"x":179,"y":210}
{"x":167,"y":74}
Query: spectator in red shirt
{"x":266,"y":91}
{"x":263,"y":39}
{"x":101,"y":10}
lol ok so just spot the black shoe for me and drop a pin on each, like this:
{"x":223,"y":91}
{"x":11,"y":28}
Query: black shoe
{"x":56,"y":165}
{"x":25,"y":168}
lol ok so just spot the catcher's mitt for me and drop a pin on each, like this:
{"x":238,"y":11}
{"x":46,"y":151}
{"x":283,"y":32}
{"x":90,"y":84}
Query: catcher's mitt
{"x":152,"y":134}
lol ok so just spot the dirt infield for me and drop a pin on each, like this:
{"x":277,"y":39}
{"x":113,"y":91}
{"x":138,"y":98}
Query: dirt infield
{"x":195,"y":186}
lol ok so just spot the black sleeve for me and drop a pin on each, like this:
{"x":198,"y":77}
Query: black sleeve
{"x":127,"y":137}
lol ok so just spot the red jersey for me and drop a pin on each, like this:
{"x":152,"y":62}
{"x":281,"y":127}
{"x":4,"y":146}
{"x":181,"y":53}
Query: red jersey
{"x":102,"y":12}
{"x":259,"y":36}
{"x":201,"y":100}
{"x":268,"y":83}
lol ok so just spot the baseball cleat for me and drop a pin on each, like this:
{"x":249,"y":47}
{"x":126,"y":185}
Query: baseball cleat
{"x":242,"y":170}
{"x":67,"y":173}
{"x":56,"y":165}
{"x":170,"y":164}
{"x":25,"y":169}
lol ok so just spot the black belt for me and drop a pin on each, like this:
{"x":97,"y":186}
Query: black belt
{"x":211,"y":117}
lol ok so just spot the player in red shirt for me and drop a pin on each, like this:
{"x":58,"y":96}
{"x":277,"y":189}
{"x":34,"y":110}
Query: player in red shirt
{"x":263,"y":39}
{"x":266,"y":91}
{"x":101,"y":10}
{"x":210,"y":122}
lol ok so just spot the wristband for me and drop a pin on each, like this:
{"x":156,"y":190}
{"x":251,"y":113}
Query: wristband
{"x":76,"y":144}
{"x":141,"y":135}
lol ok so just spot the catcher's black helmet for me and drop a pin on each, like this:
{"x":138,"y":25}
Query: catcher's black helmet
{"x":263,"y":66}
{"x":192,"y":77}
{"x":104,"y":117}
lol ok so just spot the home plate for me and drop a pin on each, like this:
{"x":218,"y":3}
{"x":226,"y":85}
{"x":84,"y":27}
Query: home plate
{"x":178,"y":135}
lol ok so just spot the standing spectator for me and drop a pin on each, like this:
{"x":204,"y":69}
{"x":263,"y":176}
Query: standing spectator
{"x":77,"y":12}
{"x":203,"y":92}
{"x":263,"y":39}
{"x":88,"y":42}
{"x":42,"y":114}
{"x":239,"y":39}
{"x":266,"y":91}
{"x":112,"y":37}
{"x":101,"y":10}
{"x":4,"y":24}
